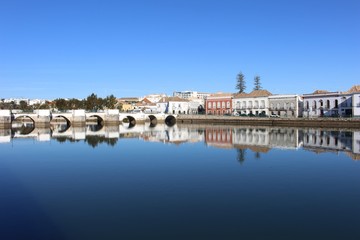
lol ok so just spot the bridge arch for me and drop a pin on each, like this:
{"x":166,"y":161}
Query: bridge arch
{"x":58,"y":126}
{"x":131,"y":120}
{"x":23,"y":129}
{"x":100,"y":120}
{"x":18,"y":117}
{"x":170,"y":120}
{"x":54,"y":117}
{"x":153,"y":120}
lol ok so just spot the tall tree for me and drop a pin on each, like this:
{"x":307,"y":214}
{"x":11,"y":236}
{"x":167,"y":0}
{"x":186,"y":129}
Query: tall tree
{"x":257,"y":83}
{"x":92,"y":102}
{"x":61,"y":104}
{"x":110,"y":102}
{"x":24,"y":105}
{"x":240,"y":82}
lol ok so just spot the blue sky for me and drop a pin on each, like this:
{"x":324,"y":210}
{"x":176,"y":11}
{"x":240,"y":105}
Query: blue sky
{"x":51,"y":49}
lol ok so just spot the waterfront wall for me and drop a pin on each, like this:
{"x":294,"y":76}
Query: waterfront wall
{"x":288,"y":122}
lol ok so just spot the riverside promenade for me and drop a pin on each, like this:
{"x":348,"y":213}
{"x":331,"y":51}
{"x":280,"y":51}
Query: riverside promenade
{"x":266,"y":121}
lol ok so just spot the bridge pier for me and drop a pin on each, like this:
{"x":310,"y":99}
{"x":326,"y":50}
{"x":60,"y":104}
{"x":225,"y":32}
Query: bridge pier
{"x":111,"y":116}
{"x":5,"y":118}
{"x":43,"y":118}
{"x":78,"y":117}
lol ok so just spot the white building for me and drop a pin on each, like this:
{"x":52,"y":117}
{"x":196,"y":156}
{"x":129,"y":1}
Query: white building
{"x":256,"y":102}
{"x":154,"y":97}
{"x":323,"y":103}
{"x":191,"y":95}
{"x":173,"y":105}
{"x":289,"y":105}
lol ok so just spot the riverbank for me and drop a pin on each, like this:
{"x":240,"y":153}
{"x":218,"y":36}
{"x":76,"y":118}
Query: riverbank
{"x":276,"y":122}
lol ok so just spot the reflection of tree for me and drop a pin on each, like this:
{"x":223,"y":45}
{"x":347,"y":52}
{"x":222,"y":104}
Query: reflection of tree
{"x":241,"y":153}
{"x":96,"y":140}
{"x":257,"y":155}
{"x":62,"y":139}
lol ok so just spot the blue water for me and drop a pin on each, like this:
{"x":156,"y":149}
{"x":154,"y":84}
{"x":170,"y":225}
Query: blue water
{"x":140,"y":189}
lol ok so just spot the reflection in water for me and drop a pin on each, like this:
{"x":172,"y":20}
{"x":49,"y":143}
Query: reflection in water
{"x":257,"y":139}
{"x":22,"y":128}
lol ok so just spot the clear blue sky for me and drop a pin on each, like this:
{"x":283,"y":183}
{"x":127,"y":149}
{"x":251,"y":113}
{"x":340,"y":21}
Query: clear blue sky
{"x":59,"y":48}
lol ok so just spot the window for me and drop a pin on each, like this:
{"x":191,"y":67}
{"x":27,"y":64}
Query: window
{"x":336,"y":103}
{"x":262,"y":105}
{"x":307,"y":104}
{"x":223,"y":104}
{"x":328,"y":103}
{"x":314,"y":104}
{"x":209,"y":105}
{"x":218,"y":104}
{"x":228,"y":104}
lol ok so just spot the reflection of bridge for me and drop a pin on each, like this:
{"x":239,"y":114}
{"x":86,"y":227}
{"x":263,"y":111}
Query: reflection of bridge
{"x":80,"y":117}
{"x":260,"y":139}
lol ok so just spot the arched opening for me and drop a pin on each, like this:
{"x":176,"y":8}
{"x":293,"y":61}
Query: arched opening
{"x":153,"y":120}
{"x":94,"y":123}
{"x":170,"y":120}
{"x":59,"y":124}
{"x":95,"y":119}
{"x":23,"y":125}
{"x":129,"y":121}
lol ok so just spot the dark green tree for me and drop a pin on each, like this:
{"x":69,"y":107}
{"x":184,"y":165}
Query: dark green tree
{"x":24,"y":105}
{"x":110,"y":102}
{"x":257,"y":83}
{"x":92,"y":103}
{"x":240,"y":82}
{"x":61,"y":104}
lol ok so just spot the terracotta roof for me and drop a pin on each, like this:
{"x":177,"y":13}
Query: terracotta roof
{"x":255,"y":93}
{"x":145,"y":100}
{"x":221,"y":95}
{"x":320,"y":92}
{"x":172,"y":99}
{"x":241,"y":95}
{"x":354,"y":89}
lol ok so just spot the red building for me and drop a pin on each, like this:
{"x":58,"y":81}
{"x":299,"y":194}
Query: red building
{"x":219,"y":104}
{"x":219,"y":137}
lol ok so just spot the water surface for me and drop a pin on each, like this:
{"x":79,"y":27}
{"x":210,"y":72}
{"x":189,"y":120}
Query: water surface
{"x":180,"y":182}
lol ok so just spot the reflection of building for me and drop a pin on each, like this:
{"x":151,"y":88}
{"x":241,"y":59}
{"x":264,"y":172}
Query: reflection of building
{"x":285,"y":138}
{"x":288,"y":138}
{"x":328,"y":140}
{"x":219,"y":137}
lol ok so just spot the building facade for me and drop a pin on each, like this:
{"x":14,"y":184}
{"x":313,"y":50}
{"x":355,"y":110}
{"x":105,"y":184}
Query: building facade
{"x":173,"y":105}
{"x":219,"y":104}
{"x":289,"y":105}
{"x":255,"y":103}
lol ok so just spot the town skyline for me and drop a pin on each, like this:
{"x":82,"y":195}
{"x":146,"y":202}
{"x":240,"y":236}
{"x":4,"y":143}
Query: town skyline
{"x":71,"y":49}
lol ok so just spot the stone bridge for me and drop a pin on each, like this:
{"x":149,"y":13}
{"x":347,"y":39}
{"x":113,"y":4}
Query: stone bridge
{"x":80,"y":117}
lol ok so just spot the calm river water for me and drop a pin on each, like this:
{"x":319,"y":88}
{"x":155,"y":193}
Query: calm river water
{"x":180,"y":182}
